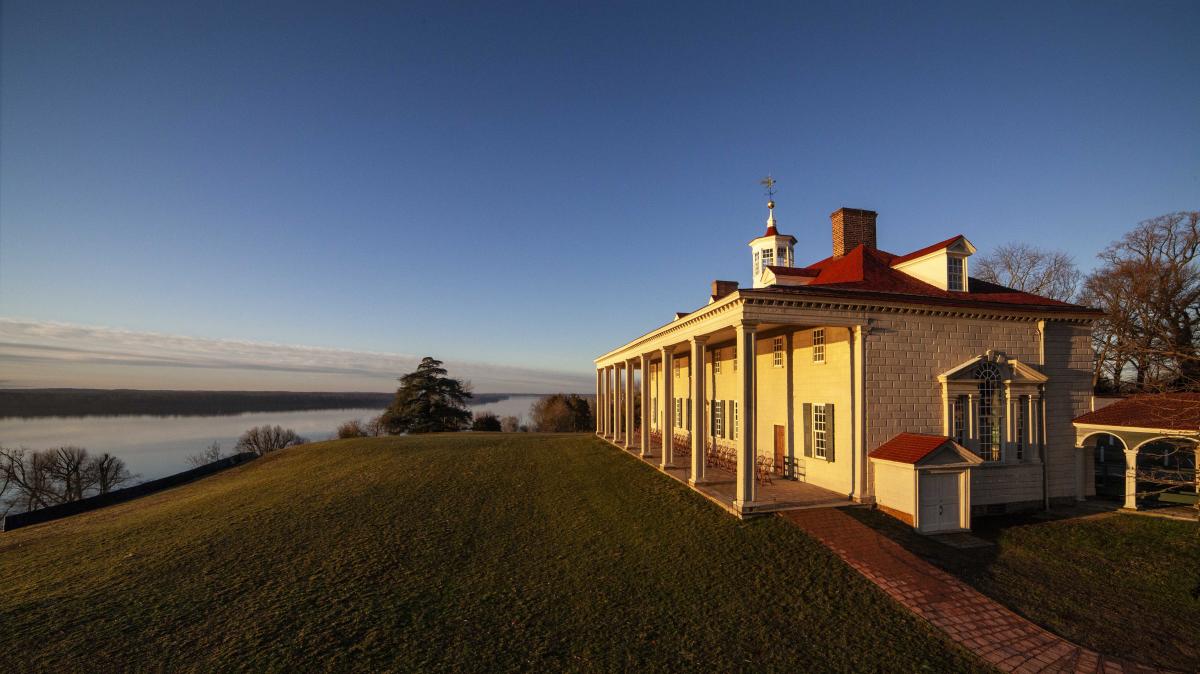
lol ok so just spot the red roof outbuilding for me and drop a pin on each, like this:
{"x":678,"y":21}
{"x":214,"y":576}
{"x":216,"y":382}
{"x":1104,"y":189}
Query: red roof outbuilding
{"x":909,"y":447}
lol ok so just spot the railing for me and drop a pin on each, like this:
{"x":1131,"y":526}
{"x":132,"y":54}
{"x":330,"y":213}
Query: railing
{"x":681,"y":441}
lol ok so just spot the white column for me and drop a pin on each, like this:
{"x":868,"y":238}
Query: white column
{"x":599,"y":399}
{"x":791,"y":406}
{"x":646,"y":413}
{"x":629,"y":403}
{"x":747,"y":448}
{"x":609,"y":375}
{"x":666,"y":398}
{"x":1131,"y":479}
{"x":616,"y":407}
{"x":602,"y":407}
{"x":699,"y":411}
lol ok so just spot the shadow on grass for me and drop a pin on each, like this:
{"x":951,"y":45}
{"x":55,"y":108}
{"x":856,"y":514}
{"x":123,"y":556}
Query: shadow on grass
{"x":1123,"y":585}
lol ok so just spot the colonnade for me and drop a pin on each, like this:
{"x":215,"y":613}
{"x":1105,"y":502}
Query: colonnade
{"x":615,"y":385}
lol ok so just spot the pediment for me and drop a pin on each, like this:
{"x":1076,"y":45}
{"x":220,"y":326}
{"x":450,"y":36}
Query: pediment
{"x":949,"y":454}
{"x":961,"y":247}
{"x":1011,"y":370}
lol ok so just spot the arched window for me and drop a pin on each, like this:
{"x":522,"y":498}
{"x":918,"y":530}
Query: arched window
{"x":990,"y":406}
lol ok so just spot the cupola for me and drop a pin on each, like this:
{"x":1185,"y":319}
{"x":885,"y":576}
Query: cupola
{"x":772,"y":249}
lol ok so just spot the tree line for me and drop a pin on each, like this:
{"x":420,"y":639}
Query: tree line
{"x":1148,"y":285}
{"x":429,"y":400}
{"x":31,"y":479}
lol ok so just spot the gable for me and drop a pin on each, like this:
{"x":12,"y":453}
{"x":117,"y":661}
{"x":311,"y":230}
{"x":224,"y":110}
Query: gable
{"x":1011,"y":370}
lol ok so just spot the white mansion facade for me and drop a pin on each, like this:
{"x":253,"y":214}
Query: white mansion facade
{"x":889,"y":379}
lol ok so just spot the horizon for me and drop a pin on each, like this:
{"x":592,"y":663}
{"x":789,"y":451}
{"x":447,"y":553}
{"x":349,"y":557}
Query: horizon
{"x":260,"y":198}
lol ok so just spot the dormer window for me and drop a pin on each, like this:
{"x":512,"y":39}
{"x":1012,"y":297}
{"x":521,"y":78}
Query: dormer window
{"x":954,"y":273}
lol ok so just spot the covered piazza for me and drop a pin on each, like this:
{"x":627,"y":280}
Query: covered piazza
{"x":1152,"y":440}
{"x":719,"y":447}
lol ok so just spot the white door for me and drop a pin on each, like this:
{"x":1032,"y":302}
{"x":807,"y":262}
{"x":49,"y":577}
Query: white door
{"x":939,"y":501}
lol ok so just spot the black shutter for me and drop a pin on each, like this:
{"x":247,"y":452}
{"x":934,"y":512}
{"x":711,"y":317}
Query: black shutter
{"x":829,"y":445}
{"x":808,"y":430}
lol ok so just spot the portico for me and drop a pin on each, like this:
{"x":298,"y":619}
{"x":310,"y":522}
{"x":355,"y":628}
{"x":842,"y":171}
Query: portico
{"x":678,"y":432}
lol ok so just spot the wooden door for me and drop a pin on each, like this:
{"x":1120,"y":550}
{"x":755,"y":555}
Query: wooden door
{"x":780,"y":447}
{"x":939,"y":502}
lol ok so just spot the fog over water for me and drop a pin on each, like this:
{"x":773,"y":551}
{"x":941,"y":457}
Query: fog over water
{"x":155,"y":446}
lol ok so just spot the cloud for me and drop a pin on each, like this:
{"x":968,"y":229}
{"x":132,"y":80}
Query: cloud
{"x":47,"y":353}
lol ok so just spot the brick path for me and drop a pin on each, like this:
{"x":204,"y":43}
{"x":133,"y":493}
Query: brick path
{"x":999,"y":636}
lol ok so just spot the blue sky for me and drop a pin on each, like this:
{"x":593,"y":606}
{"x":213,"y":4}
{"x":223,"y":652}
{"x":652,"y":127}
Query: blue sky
{"x":528,"y":186}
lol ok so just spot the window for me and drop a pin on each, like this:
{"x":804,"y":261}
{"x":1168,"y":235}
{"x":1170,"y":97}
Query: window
{"x":716,"y":362}
{"x":679,"y":412}
{"x":676,"y":363}
{"x":990,"y":408}
{"x":757,"y":268}
{"x":777,"y":352}
{"x":820,"y":450}
{"x":1021,"y":423}
{"x":954,"y":273}
{"x":958,"y":419}
{"x":818,"y":337}
{"x":768,"y":257}
{"x":781,"y":257}
{"x":718,"y":429}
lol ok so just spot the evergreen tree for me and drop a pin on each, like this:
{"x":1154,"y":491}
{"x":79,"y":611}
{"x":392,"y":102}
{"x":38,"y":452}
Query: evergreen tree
{"x":428,"y":401}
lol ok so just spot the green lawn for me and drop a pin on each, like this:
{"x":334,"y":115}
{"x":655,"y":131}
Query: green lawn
{"x":463,"y":552}
{"x":1120,"y":584}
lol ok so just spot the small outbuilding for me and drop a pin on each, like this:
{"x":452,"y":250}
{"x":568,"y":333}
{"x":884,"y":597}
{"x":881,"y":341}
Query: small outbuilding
{"x":924,"y":481}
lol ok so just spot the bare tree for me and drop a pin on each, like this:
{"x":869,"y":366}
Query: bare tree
{"x":68,"y":468}
{"x":351,"y":429}
{"x":510,"y":424}
{"x":1048,"y":273}
{"x":211,"y":454}
{"x":108,"y":472}
{"x":37,"y":479}
{"x":375,"y":427}
{"x":562,"y":413}
{"x":1149,"y":285}
{"x":266,"y":439}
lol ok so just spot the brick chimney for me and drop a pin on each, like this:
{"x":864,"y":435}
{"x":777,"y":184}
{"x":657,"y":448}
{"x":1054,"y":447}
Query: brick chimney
{"x":852,"y":226}
{"x":722,"y":288}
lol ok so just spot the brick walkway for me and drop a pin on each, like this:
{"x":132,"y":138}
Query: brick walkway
{"x":999,"y":636}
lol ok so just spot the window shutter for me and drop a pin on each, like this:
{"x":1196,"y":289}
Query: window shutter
{"x":733,"y":427}
{"x":829,"y":445}
{"x":808,"y":431}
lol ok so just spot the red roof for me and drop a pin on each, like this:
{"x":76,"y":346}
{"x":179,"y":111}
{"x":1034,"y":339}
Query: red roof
{"x":1166,"y":411}
{"x":867,"y":273}
{"x":908,"y":447}
{"x":927,"y":250}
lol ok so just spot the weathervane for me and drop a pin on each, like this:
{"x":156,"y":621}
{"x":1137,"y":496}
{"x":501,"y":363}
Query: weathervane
{"x":769,"y":184}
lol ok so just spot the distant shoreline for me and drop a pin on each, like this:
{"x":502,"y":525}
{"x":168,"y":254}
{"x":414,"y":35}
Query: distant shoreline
{"x":76,"y":402}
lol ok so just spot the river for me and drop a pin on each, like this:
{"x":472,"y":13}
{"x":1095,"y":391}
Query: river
{"x":155,"y":446}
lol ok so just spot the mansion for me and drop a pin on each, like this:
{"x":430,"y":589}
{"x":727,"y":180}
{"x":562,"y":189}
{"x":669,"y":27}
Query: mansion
{"x":867,"y":376}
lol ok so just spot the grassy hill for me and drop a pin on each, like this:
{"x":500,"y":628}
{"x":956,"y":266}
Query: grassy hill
{"x":456,"y":552}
